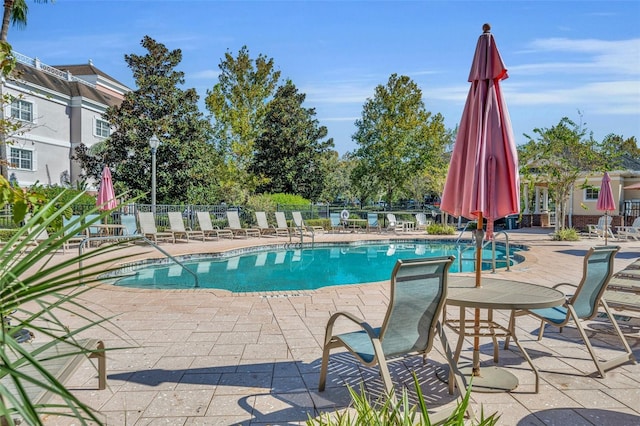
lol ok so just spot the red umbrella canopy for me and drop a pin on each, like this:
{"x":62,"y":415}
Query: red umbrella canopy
{"x":483,"y":176}
{"x":605,"y":196}
{"x":106,"y":195}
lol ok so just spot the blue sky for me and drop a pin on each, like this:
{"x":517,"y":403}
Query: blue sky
{"x":563,"y":57}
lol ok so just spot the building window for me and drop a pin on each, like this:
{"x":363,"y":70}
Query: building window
{"x":102,"y":128}
{"x":22,"y":110}
{"x":21,"y":159}
{"x":591,"y":194}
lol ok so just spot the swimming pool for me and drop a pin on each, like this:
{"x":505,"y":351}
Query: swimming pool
{"x":285,"y":268}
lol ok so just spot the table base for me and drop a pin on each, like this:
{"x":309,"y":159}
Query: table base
{"x":490,"y":380}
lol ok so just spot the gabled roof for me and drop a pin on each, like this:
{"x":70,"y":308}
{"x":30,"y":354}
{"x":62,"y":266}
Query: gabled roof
{"x":86,"y":70}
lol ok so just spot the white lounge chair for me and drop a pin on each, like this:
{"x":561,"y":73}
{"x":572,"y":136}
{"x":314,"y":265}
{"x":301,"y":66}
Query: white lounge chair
{"x":210,"y":231}
{"x":633,"y":231}
{"x":302,"y":227}
{"x":604,"y":225}
{"x":281,"y":223}
{"x":268,"y":230}
{"x":236,"y":227}
{"x":147,"y":221}
{"x":176,"y":226}
{"x":422,"y":222}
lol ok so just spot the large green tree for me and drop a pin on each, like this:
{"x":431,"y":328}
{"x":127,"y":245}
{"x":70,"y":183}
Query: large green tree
{"x":290,"y":153}
{"x":559,"y":156}
{"x":238,"y":103}
{"x":158,"y":106}
{"x":396,"y":135}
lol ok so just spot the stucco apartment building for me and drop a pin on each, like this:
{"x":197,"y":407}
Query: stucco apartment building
{"x":59,"y":107}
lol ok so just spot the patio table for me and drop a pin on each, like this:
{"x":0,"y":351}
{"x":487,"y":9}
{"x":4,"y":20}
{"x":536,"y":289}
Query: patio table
{"x":501,"y":295}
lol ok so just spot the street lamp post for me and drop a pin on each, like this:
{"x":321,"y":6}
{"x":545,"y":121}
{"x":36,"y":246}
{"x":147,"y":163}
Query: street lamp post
{"x":154,"y":142}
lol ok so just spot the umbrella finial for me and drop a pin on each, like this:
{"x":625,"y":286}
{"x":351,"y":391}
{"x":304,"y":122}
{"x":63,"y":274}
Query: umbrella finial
{"x":486,"y":28}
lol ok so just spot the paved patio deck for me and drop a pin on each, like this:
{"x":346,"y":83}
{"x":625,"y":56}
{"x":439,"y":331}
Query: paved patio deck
{"x":208,"y":357}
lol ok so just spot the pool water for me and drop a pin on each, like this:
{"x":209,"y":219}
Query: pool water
{"x":301,"y":268}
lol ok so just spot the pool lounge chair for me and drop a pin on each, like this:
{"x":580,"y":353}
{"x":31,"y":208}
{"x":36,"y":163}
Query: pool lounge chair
{"x":373,"y":223}
{"x":281,"y":223}
{"x":422,"y":222}
{"x":268,"y":230}
{"x":210,"y":231}
{"x":176,"y":226}
{"x":336,"y":222}
{"x":584,"y":304}
{"x":626,"y":232}
{"x":603,"y":225}
{"x":147,"y":221}
{"x":237,"y":229}
{"x":71,"y":231}
{"x":300,"y":226}
{"x":418,"y":291}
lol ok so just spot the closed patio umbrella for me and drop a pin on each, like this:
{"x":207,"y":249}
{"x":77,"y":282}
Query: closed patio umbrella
{"x":605,"y":202}
{"x":483,"y":182}
{"x":106,"y":195}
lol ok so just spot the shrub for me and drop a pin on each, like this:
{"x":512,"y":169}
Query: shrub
{"x":567,"y":234}
{"x":389,"y":412}
{"x":440,"y":229}
{"x":289,"y":199}
{"x":261,"y":203}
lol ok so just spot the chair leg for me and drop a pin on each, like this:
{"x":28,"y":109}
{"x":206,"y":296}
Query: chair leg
{"x":541,"y":331}
{"x":323,"y":368}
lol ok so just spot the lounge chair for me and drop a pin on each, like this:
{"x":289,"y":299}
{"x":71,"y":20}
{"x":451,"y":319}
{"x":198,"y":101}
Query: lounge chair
{"x":336,"y":222}
{"x":373,"y":223}
{"x":210,"y":231}
{"x":583,"y":305}
{"x":632,"y":231}
{"x":236,"y":227}
{"x":176,"y":226}
{"x":130,"y":227}
{"x":71,"y":231}
{"x":603,"y":225}
{"x":266,"y":229}
{"x":302,"y":227}
{"x":281,"y":223}
{"x":418,"y":294}
{"x":147,"y":221}
{"x":422,"y":222}
{"x":394,"y":224}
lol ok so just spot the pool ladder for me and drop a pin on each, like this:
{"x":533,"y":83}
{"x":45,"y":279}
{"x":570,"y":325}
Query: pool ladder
{"x":493,"y":246}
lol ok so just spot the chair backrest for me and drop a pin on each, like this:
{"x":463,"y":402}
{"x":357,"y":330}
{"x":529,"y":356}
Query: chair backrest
{"x":604,"y":222}
{"x":596,"y":273}
{"x":372,"y":219}
{"x":421,"y":218}
{"x":93,"y":230}
{"x":261,"y":219}
{"x":147,"y":223}
{"x":204,"y":220}
{"x":392,"y":219}
{"x":636,"y":222}
{"x":281,"y":220}
{"x":335,"y":219}
{"x":297,"y":219}
{"x":418,"y":294}
{"x":234,"y":219}
{"x":129,"y":223}
{"x":175,"y":221}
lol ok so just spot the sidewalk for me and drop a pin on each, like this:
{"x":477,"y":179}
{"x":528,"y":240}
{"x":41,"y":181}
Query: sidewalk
{"x":208,"y":357}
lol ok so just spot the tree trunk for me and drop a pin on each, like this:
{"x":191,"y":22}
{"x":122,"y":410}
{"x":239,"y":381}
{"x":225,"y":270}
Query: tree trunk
{"x":6,"y":19}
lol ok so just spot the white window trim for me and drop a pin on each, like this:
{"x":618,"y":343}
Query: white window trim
{"x":34,"y":110}
{"x":584,"y":195}
{"x":33,"y":159}
{"x":95,"y":127}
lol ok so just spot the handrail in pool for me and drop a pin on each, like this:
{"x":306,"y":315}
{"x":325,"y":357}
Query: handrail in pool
{"x":135,"y":237}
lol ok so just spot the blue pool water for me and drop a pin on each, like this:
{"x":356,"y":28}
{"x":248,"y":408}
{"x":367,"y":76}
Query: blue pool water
{"x":300,"y":268}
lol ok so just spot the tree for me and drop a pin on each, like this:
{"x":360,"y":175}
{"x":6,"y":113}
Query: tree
{"x":14,"y":12}
{"x":338,"y":181}
{"x":185,"y":158}
{"x":620,"y":150}
{"x":396,"y":135}
{"x":559,"y":156}
{"x":290,"y":153}
{"x":238,"y":103}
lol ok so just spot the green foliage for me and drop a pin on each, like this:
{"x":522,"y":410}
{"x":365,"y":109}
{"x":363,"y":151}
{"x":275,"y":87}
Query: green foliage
{"x":440,"y":229}
{"x":186,"y":162}
{"x":261,"y":203}
{"x":289,"y":199}
{"x":34,"y":297}
{"x":389,"y":412}
{"x":396,"y":136}
{"x":289,"y":153}
{"x":238,"y":103}
{"x":566,"y":234}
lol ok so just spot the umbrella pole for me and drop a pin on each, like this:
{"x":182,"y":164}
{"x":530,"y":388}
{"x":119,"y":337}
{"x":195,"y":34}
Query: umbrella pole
{"x":476,"y":323}
{"x":606,"y":226}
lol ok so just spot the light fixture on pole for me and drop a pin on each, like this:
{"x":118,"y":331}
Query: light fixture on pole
{"x":154,"y":142}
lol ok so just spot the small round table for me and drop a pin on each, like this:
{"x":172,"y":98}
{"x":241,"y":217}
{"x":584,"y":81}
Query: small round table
{"x":501,"y":295}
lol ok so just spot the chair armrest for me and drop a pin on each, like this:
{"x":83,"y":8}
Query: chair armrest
{"x":565,"y":284}
{"x":361,"y":323}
